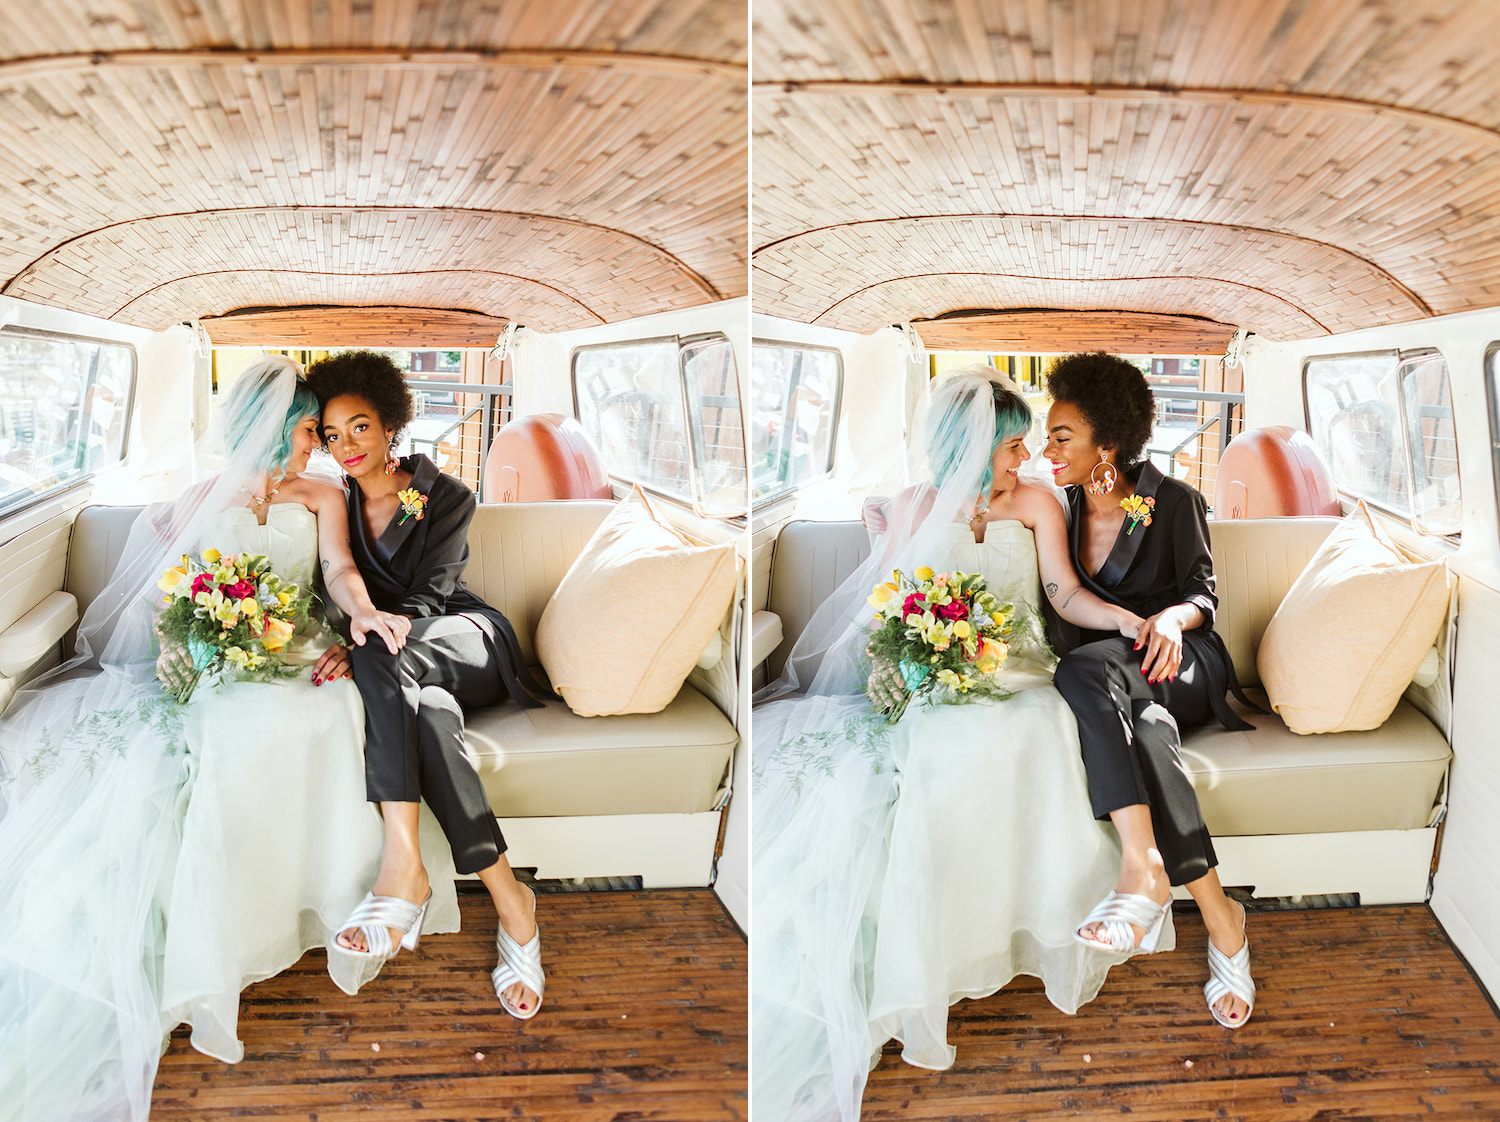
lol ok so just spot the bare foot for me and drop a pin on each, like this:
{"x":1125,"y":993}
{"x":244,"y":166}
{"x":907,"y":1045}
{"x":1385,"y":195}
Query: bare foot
{"x":1229,"y":938}
{"x":1150,"y":880}
{"x":518,"y":917}
{"x":410,"y":884}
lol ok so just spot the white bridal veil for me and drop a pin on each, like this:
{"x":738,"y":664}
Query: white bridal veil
{"x":93,"y":778}
{"x":824,"y":788}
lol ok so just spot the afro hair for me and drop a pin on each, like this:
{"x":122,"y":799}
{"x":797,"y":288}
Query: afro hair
{"x":1113,"y":397}
{"x":370,"y":375}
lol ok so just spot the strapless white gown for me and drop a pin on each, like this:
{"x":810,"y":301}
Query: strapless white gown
{"x":278,"y":844}
{"x":901,"y":868}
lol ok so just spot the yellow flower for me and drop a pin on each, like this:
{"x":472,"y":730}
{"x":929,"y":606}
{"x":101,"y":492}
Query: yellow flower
{"x":211,"y":556}
{"x":238,"y":657}
{"x":170,"y":579}
{"x":249,"y":607}
{"x":924,"y":573}
{"x":961,"y":628}
{"x":278,"y":633}
{"x":284,"y":598}
{"x":881,"y":595}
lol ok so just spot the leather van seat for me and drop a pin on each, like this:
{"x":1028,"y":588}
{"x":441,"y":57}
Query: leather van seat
{"x":533,"y":762}
{"x":1269,"y":781}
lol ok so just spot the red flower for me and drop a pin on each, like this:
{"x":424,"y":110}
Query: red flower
{"x":239,"y":590}
{"x":952,"y":610}
{"x":203,"y":583}
{"x":914,"y":603}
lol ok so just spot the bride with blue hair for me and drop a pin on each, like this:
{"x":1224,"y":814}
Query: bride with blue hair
{"x":900,"y":867}
{"x":159,"y":857}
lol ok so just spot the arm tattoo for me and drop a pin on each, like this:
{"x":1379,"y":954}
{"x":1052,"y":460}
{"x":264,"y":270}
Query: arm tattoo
{"x":325,"y":566}
{"x":1069,"y":600}
{"x":1051,"y":591}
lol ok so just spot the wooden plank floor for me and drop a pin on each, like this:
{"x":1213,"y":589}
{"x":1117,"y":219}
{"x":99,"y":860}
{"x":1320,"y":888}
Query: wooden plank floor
{"x":644,"y":1018}
{"x":1362,"y":1013}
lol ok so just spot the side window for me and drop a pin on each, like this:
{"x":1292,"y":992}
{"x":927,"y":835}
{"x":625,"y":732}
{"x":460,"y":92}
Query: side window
{"x":1354,"y":418}
{"x":793,"y":417}
{"x":1431,"y":444}
{"x":1384,"y":423}
{"x":665,"y":413}
{"x":64,"y":411}
{"x":710,"y":381}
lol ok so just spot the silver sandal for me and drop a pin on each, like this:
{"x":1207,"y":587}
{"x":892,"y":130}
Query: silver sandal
{"x":375,"y":916}
{"x":519,"y":963}
{"x":1230,"y":975}
{"x":1116,"y":913}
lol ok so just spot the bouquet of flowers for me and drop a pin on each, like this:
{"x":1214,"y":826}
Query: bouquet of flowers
{"x":226,"y":612}
{"x":941,"y":637}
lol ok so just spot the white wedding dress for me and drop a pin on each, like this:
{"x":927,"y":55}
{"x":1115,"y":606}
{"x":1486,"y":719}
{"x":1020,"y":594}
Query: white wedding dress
{"x":900,"y":868}
{"x":278,"y":844}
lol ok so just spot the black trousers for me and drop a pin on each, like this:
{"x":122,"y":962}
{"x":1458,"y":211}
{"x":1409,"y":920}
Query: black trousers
{"x":414,"y":726}
{"x":1129,"y":733}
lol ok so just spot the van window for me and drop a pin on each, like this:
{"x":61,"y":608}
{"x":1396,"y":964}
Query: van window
{"x":1354,"y":418}
{"x":1431,"y":444}
{"x":1384,"y":423}
{"x":64,"y":411}
{"x":632,"y":399}
{"x":462,"y":398}
{"x":794,"y":414}
{"x":710,"y":380}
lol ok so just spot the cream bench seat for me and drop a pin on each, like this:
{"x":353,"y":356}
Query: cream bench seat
{"x":636,"y":795}
{"x":1290,"y":815}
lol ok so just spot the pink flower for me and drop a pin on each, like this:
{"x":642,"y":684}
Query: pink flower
{"x":239,"y":590}
{"x":203,"y":583}
{"x":914,"y":603}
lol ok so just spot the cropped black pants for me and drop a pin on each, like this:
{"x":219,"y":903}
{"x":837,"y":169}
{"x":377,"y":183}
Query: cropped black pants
{"x":1129,"y":733}
{"x":414,"y":726}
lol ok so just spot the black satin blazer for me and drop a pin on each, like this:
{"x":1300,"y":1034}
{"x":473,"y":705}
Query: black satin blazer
{"x":415,"y":567}
{"x":1154,"y":567}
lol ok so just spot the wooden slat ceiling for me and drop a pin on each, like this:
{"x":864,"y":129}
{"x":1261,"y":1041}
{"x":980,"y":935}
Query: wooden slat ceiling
{"x":559,"y":163}
{"x":1293,"y":167}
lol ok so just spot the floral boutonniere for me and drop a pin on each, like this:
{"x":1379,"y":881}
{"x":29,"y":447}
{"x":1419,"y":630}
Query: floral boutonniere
{"x":1137,"y":511}
{"x":413,"y":503}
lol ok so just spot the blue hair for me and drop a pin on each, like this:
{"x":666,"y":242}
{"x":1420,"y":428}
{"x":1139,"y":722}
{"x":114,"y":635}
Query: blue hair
{"x":1012,"y":419}
{"x":247,"y":401}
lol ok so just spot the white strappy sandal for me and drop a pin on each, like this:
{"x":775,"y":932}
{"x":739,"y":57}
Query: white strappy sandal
{"x":519,"y":963}
{"x":1117,"y":912}
{"x":374,"y":918}
{"x":1230,"y":974}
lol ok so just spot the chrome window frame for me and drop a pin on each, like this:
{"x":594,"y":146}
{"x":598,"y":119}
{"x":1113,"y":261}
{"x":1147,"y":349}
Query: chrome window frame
{"x":693,"y":436}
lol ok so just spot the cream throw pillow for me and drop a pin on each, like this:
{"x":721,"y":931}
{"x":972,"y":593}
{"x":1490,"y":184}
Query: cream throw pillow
{"x":634,"y":613}
{"x":1351,"y":631}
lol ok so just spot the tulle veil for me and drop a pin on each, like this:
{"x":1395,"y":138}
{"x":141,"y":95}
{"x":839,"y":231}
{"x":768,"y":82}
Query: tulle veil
{"x":823,"y":787}
{"x":93,"y":778}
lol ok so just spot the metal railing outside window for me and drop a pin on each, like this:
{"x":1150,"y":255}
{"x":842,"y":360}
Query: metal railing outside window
{"x":1188,"y":444}
{"x":455,"y":423}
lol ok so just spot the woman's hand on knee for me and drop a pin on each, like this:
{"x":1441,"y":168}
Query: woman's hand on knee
{"x":389,"y":626}
{"x":1161,"y":637}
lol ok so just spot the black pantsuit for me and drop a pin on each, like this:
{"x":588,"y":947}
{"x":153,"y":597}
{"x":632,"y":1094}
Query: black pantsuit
{"x":1129,"y":728}
{"x":460,"y":652}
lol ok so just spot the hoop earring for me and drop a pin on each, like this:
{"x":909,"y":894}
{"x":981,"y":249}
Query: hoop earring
{"x":1102,"y":478}
{"x":392,"y":463}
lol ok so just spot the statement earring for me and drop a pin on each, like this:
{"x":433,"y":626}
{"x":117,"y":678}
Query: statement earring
{"x":392,"y":463}
{"x":1102,"y":478}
